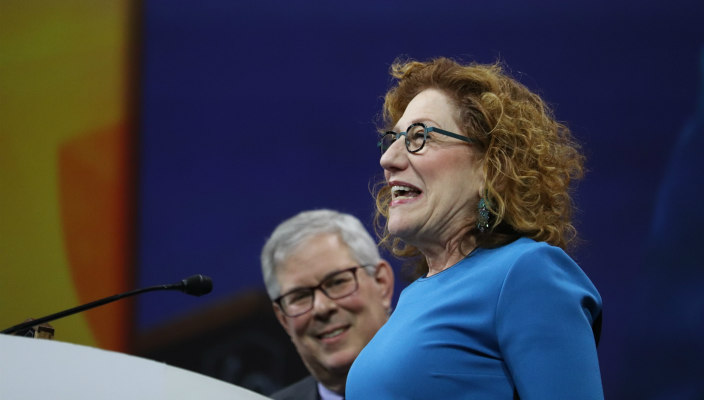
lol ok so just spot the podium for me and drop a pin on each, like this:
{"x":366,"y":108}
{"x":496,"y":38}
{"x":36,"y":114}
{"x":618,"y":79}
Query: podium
{"x":46,"y":369}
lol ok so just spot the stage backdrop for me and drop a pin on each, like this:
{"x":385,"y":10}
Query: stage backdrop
{"x":249,"y":112}
{"x":253,"y":111}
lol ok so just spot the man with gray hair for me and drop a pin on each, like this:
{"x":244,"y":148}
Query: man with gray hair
{"x":331,"y":292}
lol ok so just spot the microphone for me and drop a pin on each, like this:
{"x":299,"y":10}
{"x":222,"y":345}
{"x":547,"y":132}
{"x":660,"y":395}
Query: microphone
{"x":196,"y":285}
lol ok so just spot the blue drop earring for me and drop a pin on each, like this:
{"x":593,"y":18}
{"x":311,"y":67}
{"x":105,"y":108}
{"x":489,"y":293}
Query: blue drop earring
{"x":483,"y":215}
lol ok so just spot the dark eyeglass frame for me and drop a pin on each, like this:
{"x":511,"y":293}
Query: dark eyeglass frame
{"x":313,"y":289}
{"x":426,"y":131}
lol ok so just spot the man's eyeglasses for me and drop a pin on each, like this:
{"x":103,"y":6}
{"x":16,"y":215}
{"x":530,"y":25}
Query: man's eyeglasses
{"x":416,"y":135}
{"x":335,"y":286}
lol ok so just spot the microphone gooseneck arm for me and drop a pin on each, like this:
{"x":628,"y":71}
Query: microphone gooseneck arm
{"x":196,"y":285}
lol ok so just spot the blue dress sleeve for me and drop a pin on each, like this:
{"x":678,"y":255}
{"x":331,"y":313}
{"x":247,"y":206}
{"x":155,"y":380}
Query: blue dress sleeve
{"x":544,"y":316}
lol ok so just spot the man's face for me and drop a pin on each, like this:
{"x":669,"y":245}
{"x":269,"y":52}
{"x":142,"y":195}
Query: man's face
{"x":330,"y":336}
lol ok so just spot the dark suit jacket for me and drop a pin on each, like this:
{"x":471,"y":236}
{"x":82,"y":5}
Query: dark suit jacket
{"x":305,"y":389}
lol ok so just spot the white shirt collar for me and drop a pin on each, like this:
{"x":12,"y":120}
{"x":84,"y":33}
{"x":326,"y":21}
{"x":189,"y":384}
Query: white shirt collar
{"x":327,"y":394}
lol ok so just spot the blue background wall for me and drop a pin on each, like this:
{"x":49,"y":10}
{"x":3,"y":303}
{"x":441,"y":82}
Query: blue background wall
{"x":253,"y":111}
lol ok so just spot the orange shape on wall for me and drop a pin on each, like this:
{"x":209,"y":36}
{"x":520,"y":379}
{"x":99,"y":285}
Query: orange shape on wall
{"x":96,"y":206}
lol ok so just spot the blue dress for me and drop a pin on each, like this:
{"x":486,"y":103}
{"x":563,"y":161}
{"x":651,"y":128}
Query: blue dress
{"x":518,"y":317}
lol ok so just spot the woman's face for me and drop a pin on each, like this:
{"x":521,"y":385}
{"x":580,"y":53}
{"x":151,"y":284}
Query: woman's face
{"x":434,"y":192}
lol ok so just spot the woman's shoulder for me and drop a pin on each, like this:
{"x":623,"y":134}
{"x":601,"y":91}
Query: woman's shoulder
{"x":523,"y":247}
{"x":531,"y":262}
{"x":527,"y":244}
{"x":532,"y":258}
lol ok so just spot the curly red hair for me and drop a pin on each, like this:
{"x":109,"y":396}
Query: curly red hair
{"x":530,"y":159}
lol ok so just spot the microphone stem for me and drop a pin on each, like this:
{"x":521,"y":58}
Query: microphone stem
{"x":83,"y":307}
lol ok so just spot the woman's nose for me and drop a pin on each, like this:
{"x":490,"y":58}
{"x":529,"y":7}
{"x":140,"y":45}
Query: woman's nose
{"x":395,"y":157}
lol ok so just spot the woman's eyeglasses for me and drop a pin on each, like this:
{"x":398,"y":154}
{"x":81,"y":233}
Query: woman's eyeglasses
{"x":415,"y":137}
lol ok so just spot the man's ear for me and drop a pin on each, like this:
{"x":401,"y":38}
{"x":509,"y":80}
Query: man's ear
{"x":281,"y":317}
{"x":384,"y":279}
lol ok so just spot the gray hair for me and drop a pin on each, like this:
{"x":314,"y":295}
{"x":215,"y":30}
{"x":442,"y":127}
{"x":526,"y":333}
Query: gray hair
{"x":299,"y":228}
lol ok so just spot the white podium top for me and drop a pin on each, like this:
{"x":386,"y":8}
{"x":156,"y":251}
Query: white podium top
{"x":47,"y":369}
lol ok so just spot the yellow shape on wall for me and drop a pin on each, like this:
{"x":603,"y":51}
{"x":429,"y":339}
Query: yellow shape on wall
{"x":64,"y":179}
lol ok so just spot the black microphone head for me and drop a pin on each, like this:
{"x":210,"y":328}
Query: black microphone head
{"x":197,"y":285}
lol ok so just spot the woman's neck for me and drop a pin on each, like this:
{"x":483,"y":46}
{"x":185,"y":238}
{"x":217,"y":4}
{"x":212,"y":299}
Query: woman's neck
{"x":440,"y":258}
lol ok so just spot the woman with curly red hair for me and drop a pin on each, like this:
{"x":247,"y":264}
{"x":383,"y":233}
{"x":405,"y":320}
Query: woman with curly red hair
{"x":476,"y":194}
